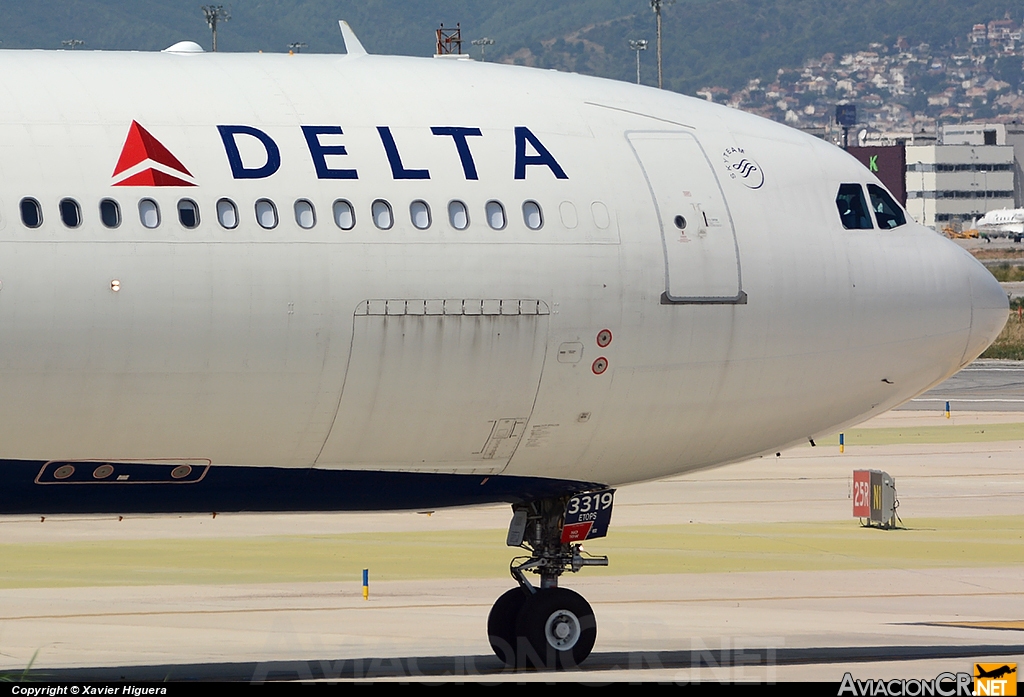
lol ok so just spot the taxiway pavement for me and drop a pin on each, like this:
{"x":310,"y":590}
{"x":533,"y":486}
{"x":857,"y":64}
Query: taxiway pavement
{"x":806,"y":595}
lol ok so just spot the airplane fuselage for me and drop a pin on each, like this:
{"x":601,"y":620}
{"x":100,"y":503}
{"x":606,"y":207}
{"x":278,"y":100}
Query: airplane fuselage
{"x":444,"y":282}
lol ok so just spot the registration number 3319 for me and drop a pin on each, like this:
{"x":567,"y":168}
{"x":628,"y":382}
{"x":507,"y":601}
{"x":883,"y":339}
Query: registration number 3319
{"x":588,"y":515}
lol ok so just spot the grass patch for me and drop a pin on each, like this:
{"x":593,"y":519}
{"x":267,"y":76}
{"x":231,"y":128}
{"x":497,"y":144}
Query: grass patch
{"x":917,"y":435}
{"x":999,"y":253}
{"x":831,"y":545}
{"x":20,"y":675}
{"x":293,"y":558}
{"x":1009,"y":345}
{"x":695,"y":548}
{"x":1006,"y":272}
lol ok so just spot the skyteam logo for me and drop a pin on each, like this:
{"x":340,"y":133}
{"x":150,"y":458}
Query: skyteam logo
{"x":145,"y":161}
{"x":743,"y":168}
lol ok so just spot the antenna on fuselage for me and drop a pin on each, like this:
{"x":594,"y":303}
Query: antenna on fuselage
{"x":352,"y":45}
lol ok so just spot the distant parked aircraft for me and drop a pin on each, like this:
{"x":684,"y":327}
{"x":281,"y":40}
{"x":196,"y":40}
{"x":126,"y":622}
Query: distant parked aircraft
{"x":1003,"y":221}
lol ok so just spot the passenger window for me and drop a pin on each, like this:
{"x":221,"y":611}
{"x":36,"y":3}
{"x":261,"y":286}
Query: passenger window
{"x":458,"y":215}
{"x":305,"y":215}
{"x":419,"y":211}
{"x":853,"y":211}
{"x":381,"y":212}
{"x":31,"y":213}
{"x":227,"y":214}
{"x":70,"y":213}
{"x":887,"y":213}
{"x":495,"y":215}
{"x":110,"y":213}
{"x":344,"y":215}
{"x":149,"y":213}
{"x":532,"y":215}
{"x":266,"y":214}
{"x":188,"y":213}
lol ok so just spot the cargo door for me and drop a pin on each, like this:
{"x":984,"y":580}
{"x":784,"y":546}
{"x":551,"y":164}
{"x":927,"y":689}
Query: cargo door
{"x":442,"y":386}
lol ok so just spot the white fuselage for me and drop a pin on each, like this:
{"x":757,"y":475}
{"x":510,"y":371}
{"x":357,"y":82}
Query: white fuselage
{"x":442,"y":350}
{"x":1002,"y":220}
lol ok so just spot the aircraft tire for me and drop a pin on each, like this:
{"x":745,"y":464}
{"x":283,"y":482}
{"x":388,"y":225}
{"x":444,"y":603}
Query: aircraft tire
{"x":501,"y":624}
{"x":558,"y":628}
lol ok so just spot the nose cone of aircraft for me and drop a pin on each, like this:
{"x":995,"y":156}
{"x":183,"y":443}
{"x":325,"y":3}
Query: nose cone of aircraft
{"x":989,"y":309}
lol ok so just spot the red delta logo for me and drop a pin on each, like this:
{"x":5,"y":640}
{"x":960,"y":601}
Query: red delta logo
{"x":141,"y":148}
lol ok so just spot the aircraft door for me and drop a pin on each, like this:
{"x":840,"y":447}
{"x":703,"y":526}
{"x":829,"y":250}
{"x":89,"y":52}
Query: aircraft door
{"x":701,"y":253}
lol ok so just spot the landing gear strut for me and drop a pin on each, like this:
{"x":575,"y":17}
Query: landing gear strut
{"x":549,"y":627}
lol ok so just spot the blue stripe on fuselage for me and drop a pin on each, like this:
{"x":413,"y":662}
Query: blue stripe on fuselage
{"x":30,"y":488}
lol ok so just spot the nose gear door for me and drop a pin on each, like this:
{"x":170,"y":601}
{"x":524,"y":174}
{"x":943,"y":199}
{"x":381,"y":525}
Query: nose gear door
{"x":702,"y":263}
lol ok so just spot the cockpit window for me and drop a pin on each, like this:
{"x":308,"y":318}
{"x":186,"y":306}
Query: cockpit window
{"x":887,"y":213}
{"x":853,"y":210}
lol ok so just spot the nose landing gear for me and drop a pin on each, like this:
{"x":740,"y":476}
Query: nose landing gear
{"x":549,"y":627}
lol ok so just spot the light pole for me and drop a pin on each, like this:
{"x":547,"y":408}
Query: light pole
{"x":924,"y":199}
{"x":483,"y":44}
{"x":638,"y":45}
{"x":215,"y":14}
{"x":656,"y":5}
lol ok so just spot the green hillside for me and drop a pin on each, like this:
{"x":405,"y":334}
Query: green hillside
{"x":707,"y":42}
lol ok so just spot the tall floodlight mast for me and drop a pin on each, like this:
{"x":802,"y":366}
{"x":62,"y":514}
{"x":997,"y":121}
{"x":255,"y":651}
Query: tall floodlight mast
{"x":215,"y":14}
{"x":638,"y":45}
{"x":656,"y":5}
{"x":483,"y":44}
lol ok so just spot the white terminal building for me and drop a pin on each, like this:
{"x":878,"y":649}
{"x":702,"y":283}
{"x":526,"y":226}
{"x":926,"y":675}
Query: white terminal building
{"x":971,"y":172}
